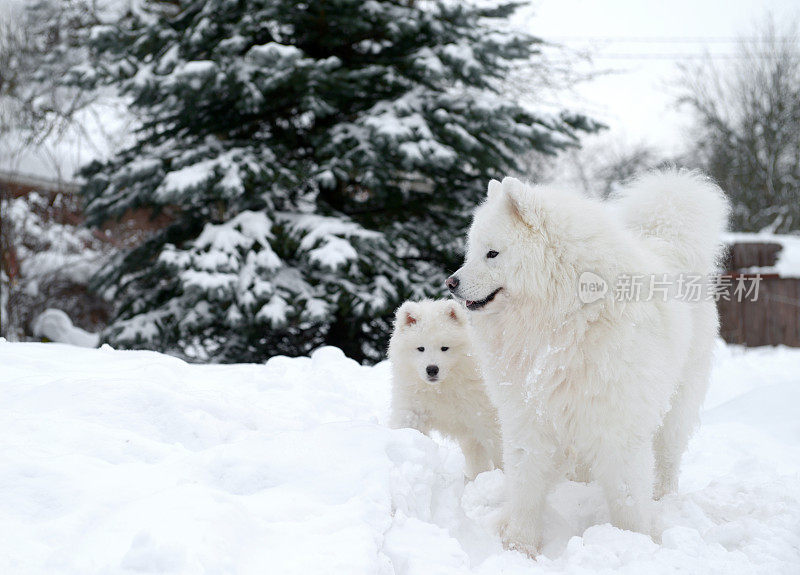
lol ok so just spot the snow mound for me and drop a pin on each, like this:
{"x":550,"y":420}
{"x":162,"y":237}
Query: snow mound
{"x":55,"y":325}
{"x":121,"y":462}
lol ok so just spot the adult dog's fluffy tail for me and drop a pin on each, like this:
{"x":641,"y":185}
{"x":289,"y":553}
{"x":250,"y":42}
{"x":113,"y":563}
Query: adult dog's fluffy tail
{"x":683,"y":211}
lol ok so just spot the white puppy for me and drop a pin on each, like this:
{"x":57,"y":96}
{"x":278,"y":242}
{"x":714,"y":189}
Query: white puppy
{"x":612,"y":387}
{"x":436,"y":383}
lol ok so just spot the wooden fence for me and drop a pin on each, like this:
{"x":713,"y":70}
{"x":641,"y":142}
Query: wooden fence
{"x":771,"y":319}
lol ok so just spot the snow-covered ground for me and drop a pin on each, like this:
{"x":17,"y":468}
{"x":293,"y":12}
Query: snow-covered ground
{"x":123,"y":462}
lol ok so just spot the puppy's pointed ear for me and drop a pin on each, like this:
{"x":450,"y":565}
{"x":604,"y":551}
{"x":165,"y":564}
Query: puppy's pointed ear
{"x":495,"y":190}
{"x":523,"y":201}
{"x":406,"y":315}
{"x":455,"y":312}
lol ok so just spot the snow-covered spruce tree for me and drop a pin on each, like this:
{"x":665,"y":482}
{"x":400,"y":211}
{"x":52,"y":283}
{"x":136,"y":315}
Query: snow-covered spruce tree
{"x":318,"y":162}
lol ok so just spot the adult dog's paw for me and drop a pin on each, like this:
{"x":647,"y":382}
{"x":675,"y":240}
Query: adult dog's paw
{"x":666,"y":485}
{"x":520,"y":534}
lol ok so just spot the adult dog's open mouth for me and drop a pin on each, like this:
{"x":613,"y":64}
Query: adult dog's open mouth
{"x":472,"y":305}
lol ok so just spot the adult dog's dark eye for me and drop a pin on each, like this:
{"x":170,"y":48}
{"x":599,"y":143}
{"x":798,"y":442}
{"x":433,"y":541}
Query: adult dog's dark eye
{"x":420,"y":349}
{"x":492,"y":254}
{"x":445,"y":348}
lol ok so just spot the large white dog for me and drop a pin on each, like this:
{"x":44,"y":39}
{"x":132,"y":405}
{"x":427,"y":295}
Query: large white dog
{"x":610,"y":387}
{"x":436,"y":382}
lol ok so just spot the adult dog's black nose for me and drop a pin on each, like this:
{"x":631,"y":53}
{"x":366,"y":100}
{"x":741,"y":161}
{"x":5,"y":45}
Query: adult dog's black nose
{"x":432,"y":370}
{"x":451,"y":283}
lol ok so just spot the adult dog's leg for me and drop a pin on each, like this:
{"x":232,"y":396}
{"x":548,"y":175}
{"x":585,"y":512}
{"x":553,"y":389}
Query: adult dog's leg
{"x":530,"y":469}
{"x":625,"y":473}
{"x":672,"y":438}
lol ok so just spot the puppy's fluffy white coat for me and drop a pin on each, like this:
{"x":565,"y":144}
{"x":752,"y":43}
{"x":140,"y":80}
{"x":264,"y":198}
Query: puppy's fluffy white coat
{"x":609,"y":388}
{"x":434,"y":334}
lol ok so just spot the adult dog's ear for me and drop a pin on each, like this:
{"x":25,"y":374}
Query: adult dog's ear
{"x":523,"y":201}
{"x":406,"y":315}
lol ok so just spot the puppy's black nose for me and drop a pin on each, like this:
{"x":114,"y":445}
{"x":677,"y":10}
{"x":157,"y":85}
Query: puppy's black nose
{"x":432,"y":370}
{"x":451,"y":283}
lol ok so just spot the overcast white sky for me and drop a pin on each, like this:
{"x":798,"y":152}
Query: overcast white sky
{"x":638,"y":101}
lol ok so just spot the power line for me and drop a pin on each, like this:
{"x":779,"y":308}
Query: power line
{"x":677,"y":56}
{"x":668,"y":39}
{"x":725,"y":42}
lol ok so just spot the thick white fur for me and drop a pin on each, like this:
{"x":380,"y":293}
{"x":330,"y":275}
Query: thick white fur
{"x":609,"y":389}
{"x":456,"y":404}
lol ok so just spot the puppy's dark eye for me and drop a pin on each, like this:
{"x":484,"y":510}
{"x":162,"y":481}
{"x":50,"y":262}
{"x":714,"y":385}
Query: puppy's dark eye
{"x":492,"y":254}
{"x":420,"y":349}
{"x":445,"y":348}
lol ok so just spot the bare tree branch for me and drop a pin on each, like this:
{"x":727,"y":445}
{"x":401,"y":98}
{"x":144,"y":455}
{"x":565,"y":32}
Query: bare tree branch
{"x":747,"y":126}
